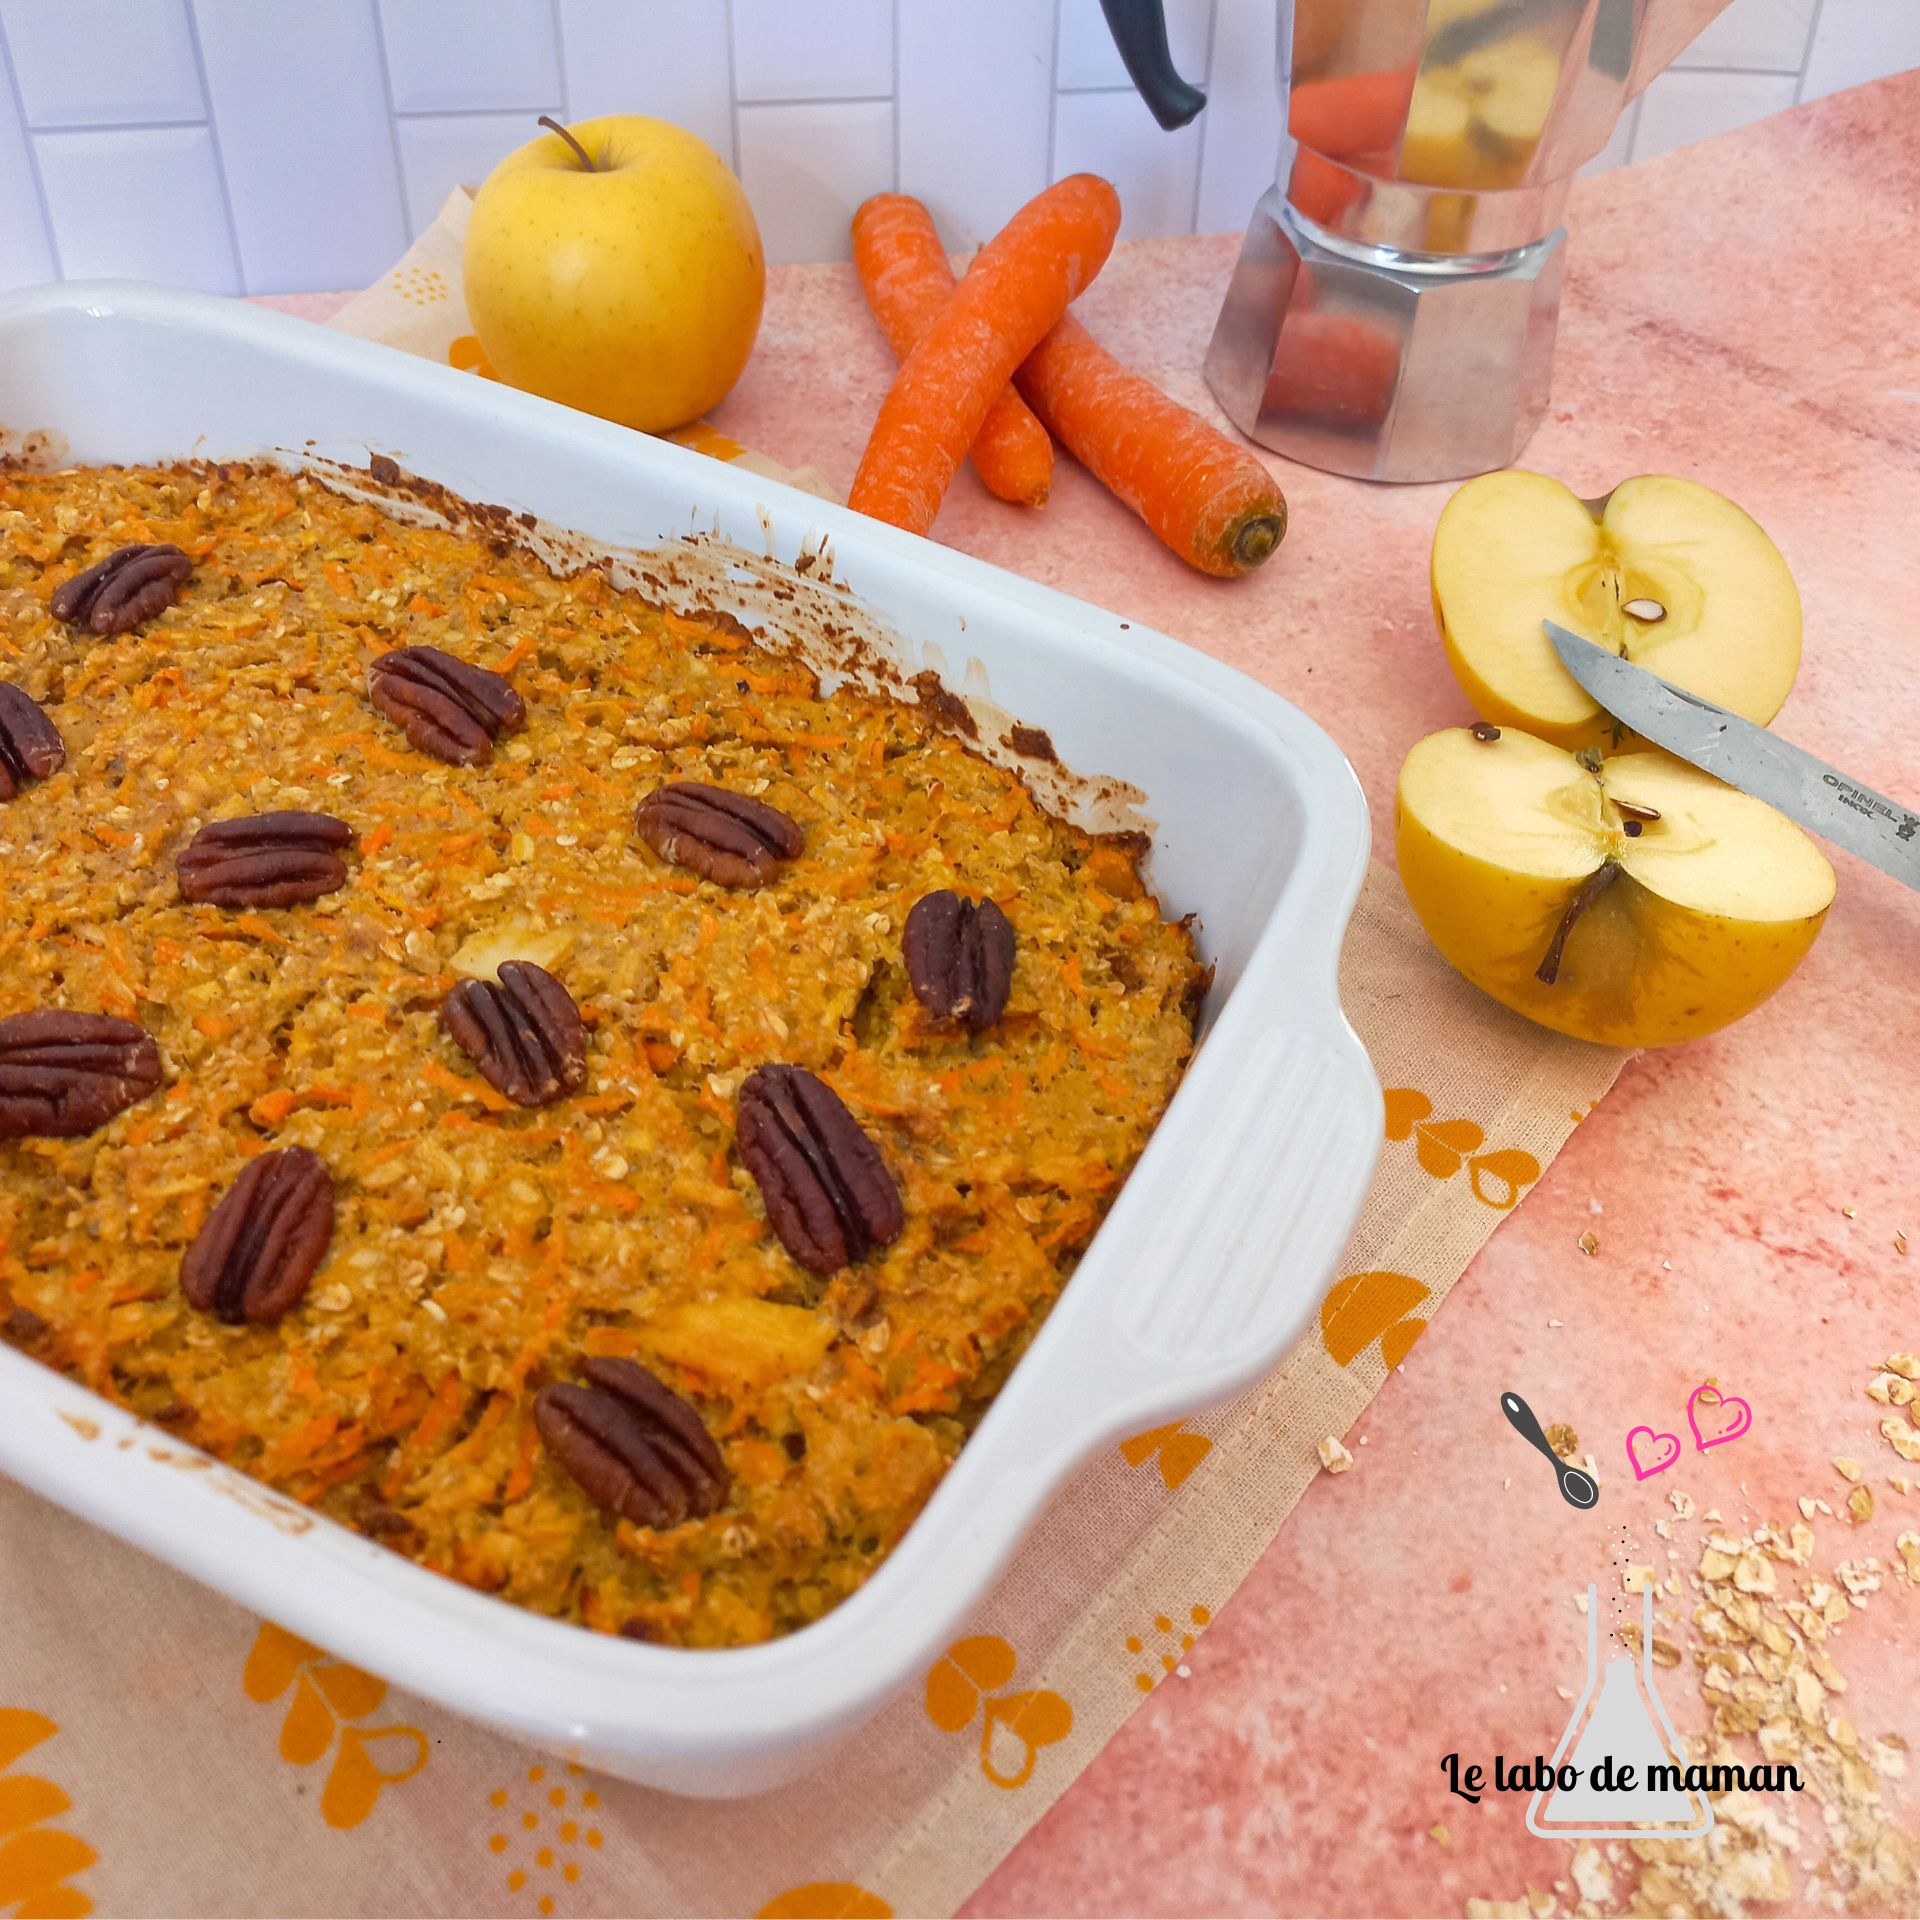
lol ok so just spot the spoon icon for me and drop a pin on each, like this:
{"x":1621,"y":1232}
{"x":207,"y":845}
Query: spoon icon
{"x":1577,"y":1489}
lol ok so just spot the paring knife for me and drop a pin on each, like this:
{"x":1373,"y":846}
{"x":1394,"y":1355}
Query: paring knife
{"x":1822,"y":798}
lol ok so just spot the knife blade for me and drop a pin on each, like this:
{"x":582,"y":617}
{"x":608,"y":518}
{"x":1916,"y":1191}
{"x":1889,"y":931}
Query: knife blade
{"x":1821,"y":798}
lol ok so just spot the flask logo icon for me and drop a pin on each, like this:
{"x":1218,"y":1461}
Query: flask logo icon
{"x":1626,"y":1758}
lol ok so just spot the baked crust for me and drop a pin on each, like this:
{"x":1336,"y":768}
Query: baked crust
{"x":481,"y":1249}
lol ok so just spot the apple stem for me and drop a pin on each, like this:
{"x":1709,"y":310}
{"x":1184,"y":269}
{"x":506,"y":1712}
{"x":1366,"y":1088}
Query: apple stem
{"x":1591,"y":889}
{"x":586,"y":159}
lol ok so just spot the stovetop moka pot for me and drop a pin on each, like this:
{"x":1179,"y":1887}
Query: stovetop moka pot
{"x":1392,"y":314}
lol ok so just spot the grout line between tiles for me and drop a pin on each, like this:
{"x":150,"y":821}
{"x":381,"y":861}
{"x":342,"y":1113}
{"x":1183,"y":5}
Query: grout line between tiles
{"x":480,"y":113}
{"x":1206,"y":115}
{"x":219,"y":156}
{"x":565,"y":115}
{"x":1053,"y":96}
{"x":116,"y":126}
{"x":733,"y":85}
{"x":1635,"y":109}
{"x":393,"y":122}
{"x":818,"y":100}
{"x":33,"y":158}
{"x":1806,"y":52}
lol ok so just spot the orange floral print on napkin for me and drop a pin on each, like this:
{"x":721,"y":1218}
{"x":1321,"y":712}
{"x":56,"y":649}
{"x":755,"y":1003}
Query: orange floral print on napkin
{"x":466,"y":353}
{"x":327,"y":1696}
{"x":826,"y":1900}
{"x":539,"y":1837}
{"x":1443,"y":1147}
{"x":1365,"y":1307}
{"x":1179,"y":1452}
{"x":1016,"y":1725}
{"x":37,"y":1861}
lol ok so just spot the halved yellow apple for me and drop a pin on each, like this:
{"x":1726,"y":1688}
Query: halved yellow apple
{"x":1476,"y":123}
{"x":1639,"y":905}
{"x":1714,"y":608}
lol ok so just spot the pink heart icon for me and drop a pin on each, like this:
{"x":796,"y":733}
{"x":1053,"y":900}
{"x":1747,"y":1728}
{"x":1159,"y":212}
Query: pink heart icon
{"x":1709,"y":1396}
{"x":1663,"y":1460}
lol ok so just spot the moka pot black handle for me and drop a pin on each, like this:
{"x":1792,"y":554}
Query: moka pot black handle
{"x":1139,"y":29}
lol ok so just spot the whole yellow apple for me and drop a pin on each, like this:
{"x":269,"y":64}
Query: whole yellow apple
{"x":1637,"y":905}
{"x":615,"y":266}
{"x":1664,"y":570}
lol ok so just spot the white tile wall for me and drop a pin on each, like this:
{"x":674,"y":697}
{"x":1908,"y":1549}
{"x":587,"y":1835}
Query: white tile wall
{"x":470,"y":56}
{"x":279,"y":145}
{"x":807,"y":164}
{"x":148,"y":72}
{"x":821,"y":50}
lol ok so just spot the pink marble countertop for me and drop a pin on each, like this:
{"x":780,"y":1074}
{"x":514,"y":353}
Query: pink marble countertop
{"x":1744,"y":312}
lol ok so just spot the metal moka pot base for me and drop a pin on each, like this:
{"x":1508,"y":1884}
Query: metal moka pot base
{"x":1382,"y":364}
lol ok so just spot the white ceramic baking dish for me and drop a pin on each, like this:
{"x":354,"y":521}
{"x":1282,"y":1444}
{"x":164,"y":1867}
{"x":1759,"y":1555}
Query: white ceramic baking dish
{"x":1212,"y":1258}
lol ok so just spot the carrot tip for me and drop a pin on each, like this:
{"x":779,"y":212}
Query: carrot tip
{"x":1255,"y":539}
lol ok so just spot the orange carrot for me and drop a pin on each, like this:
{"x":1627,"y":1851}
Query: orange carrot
{"x":1351,"y":112}
{"x":904,"y":271}
{"x":1206,"y":496}
{"x":1019,"y":284}
{"x":1335,"y":367}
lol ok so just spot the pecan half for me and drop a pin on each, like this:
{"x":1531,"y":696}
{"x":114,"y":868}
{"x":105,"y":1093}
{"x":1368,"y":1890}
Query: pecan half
{"x":124,"y":589}
{"x":636,"y":1448}
{"x":30,"y":744}
{"x":21,"y":1325}
{"x":446,"y":707}
{"x":524,"y":1034}
{"x":63,"y":1074}
{"x":959,"y":957}
{"x":265,"y":860}
{"x":827,"y":1191}
{"x":251,"y":1262}
{"x":722,"y":836}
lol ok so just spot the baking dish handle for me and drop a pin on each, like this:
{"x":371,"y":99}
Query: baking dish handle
{"x":1222,"y":1273}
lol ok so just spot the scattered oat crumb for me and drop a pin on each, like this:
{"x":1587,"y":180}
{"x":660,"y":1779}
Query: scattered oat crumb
{"x":1846,"y":1467}
{"x":1666,"y":1266}
{"x":1906,"y":1365}
{"x":1860,"y":1505}
{"x":1682,"y":1504}
{"x":1562,"y":1439}
{"x":1663,"y":1530}
{"x":1904,"y":1439}
{"x":1580,"y":1600}
{"x":1592,"y":1878}
{"x":1333,"y":1456}
{"x":1439,"y":1833}
{"x":1556,"y":1323}
{"x":1899,"y":1241}
{"x":1183,"y":1671}
{"x":1852,"y":1213}
{"x":1589,"y":1243}
{"x":1808,"y":1508}
{"x":1636,"y":1580}
{"x":1900,"y":1483}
